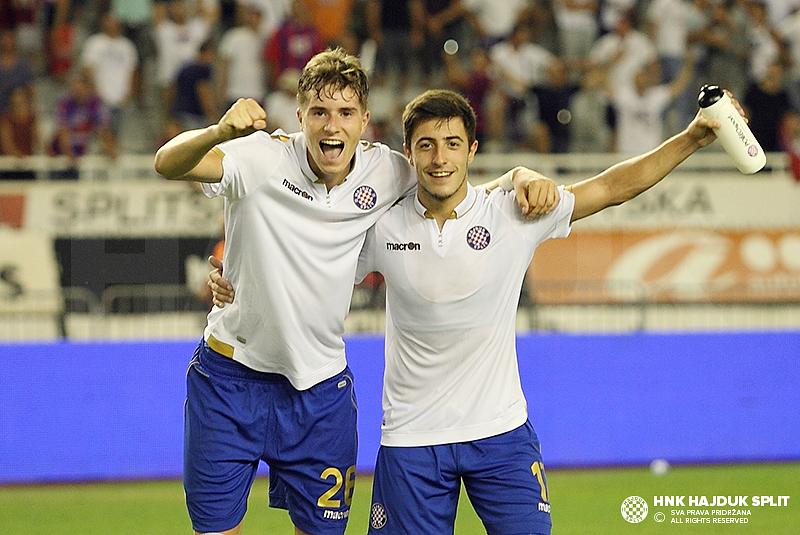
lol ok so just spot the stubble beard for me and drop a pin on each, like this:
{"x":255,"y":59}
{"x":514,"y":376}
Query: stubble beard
{"x":442,"y":197}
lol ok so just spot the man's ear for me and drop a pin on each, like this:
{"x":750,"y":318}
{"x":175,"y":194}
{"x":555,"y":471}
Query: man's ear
{"x":472,"y":150}
{"x":408,"y":154}
{"x":365,"y":122}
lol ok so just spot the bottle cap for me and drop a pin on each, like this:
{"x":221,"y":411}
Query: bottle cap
{"x":709,"y":94}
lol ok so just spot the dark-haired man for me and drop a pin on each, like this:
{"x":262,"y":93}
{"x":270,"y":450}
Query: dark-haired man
{"x":270,"y":381}
{"x":453,"y":405}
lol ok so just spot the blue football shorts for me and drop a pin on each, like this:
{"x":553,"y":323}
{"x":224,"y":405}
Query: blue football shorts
{"x":416,"y":489}
{"x":236,"y":417}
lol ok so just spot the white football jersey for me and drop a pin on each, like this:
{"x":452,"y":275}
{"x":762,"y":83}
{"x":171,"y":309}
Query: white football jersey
{"x":451,"y":364}
{"x":291,"y":250}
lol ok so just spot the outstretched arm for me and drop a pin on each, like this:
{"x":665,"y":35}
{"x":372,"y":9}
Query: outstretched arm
{"x":189,"y":155}
{"x":629,"y":178}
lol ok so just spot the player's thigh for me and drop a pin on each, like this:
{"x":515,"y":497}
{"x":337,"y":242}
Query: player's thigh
{"x":221,"y":454}
{"x":506,"y":482}
{"x":415,"y":490}
{"x":313,"y":455}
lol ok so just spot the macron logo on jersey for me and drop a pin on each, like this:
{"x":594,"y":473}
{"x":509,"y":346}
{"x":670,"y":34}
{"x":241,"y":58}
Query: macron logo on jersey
{"x":410,"y":246}
{"x":297,"y":191}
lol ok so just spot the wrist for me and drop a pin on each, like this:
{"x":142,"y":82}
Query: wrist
{"x":217,"y":134}
{"x":506,"y":182}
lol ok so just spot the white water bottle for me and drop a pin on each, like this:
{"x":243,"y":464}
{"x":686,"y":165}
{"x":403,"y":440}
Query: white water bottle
{"x":734,"y":134}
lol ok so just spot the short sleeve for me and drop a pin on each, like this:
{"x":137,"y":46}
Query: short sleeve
{"x":556,"y":224}
{"x":366,"y":259}
{"x":246,"y":163}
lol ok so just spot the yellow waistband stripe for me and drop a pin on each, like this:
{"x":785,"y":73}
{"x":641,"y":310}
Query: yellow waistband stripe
{"x":220,"y":347}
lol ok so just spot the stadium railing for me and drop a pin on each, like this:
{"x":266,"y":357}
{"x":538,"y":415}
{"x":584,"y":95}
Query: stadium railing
{"x":485,"y":166}
{"x":172,"y":311}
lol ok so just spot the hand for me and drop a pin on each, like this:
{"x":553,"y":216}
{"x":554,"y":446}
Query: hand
{"x":244,"y":117}
{"x":701,"y":127}
{"x":221,"y":290}
{"x":537,"y":195}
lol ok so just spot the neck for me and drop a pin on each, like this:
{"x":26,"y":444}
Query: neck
{"x":441,"y":208}
{"x":330,"y":183}
{"x":329,"y":180}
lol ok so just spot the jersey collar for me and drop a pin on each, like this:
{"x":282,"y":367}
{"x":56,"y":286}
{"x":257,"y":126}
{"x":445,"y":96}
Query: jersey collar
{"x":459,"y":211}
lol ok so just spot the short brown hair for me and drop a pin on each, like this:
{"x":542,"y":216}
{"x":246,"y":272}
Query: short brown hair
{"x":442,"y":104}
{"x":330,"y":71}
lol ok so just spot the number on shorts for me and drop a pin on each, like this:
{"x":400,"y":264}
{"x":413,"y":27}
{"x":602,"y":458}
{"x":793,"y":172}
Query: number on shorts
{"x":349,"y":485}
{"x":349,"y":480}
{"x":538,"y":470}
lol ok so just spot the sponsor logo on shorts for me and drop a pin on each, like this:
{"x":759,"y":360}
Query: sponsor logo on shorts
{"x":335,"y":515}
{"x":377,"y":516}
{"x":365,"y":197}
{"x":478,"y":238}
{"x":410,"y":246}
{"x":634,"y":509}
{"x":297,"y":191}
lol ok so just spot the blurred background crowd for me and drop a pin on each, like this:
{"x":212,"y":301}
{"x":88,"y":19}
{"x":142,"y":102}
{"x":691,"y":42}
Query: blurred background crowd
{"x":545,"y":76}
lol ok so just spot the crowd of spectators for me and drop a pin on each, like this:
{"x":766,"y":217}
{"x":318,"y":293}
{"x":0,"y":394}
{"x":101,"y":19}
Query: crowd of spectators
{"x":547,"y":76}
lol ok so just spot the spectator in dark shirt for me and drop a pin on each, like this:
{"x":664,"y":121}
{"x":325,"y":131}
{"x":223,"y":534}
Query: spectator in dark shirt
{"x":389,"y":26}
{"x":552,"y":131}
{"x":432,"y":23}
{"x":195,"y":104}
{"x":767,"y":103}
{"x":14,"y":69}
{"x":475,"y":83}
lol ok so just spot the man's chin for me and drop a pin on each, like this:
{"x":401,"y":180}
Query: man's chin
{"x":439,"y":194}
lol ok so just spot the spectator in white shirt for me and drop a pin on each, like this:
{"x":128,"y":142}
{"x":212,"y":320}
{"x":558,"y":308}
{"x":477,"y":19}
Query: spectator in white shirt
{"x":241,"y":67}
{"x":517,"y":64}
{"x":111,"y":61}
